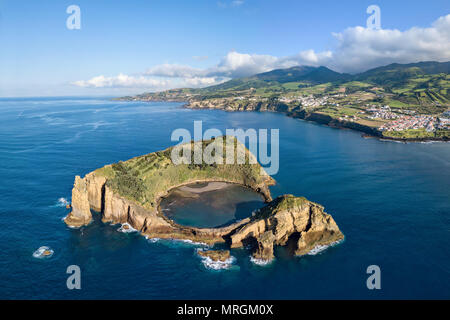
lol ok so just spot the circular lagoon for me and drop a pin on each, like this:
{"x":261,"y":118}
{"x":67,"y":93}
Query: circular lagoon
{"x":211,"y":204}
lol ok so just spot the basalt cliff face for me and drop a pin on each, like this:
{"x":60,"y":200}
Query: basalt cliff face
{"x":87,"y":194}
{"x":276,"y":106}
{"x":92,"y":192}
{"x":130,"y":192}
{"x":288,"y":219}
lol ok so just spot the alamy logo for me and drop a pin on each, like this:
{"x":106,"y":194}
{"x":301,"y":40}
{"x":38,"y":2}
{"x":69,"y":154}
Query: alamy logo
{"x":374,"y":21}
{"x":374,"y":281}
{"x":74,"y":280}
{"x":74,"y":20}
{"x":213,"y":153}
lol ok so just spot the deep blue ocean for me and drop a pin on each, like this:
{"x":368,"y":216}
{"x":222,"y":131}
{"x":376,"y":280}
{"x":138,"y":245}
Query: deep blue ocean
{"x":391,"y":200}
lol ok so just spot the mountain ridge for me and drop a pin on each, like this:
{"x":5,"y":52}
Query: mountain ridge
{"x":398,"y":101}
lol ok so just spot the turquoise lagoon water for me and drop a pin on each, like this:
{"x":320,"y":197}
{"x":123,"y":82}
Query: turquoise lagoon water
{"x":391,"y":200}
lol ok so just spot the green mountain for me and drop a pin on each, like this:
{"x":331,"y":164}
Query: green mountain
{"x":305,"y":74}
{"x":423,"y":86}
{"x":395,"y":73}
{"x":313,"y":75}
{"x":379,"y":101}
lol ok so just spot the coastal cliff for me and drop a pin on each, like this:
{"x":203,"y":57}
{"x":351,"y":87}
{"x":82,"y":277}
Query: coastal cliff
{"x":130,"y":193}
{"x":87,"y":194}
{"x":277,"y":106}
{"x":288,"y":218}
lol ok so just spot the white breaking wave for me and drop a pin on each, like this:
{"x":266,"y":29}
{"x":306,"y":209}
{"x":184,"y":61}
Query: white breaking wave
{"x":217,"y":265}
{"x":193,"y":242}
{"x":62,"y":202}
{"x":43,"y":252}
{"x":321,"y":248}
{"x":431,"y":142}
{"x":261,"y":262}
{"x":152,"y":240}
{"x":126,"y":228}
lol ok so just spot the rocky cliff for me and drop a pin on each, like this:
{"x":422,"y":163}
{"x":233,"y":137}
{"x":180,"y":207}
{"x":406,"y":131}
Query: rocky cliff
{"x":130,"y":192}
{"x":87,"y":194}
{"x":287,"y":218}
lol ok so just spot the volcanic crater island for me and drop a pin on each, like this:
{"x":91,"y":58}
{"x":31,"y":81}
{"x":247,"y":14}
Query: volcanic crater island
{"x":130,"y":193}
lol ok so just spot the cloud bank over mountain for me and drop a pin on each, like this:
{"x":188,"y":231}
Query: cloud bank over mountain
{"x":358,"y":49}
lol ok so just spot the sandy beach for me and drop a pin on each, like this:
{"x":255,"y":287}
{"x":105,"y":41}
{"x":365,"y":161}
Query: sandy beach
{"x":210,"y":186}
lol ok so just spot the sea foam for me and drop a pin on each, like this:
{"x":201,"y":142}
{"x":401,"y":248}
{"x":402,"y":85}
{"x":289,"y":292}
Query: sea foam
{"x":126,"y":228}
{"x":321,"y":248}
{"x":217,"y":265}
{"x":43,"y":252}
{"x":62,"y":202}
{"x":261,"y":262}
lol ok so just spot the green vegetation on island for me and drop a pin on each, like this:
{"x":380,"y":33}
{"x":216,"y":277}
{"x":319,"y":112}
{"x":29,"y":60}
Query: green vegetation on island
{"x":128,"y":193}
{"x":146,"y":178}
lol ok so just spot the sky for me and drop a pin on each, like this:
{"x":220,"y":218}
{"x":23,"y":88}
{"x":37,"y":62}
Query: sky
{"x":130,"y":47}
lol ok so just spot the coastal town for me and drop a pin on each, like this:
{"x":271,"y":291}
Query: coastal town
{"x":393,"y":119}
{"x":414,"y":106}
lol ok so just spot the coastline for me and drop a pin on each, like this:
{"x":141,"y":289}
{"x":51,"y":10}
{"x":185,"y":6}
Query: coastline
{"x":314,"y":117}
{"x":326,"y":120}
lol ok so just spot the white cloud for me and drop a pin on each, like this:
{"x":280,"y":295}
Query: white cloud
{"x":236,"y":64}
{"x":174,"y":71}
{"x":233,"y":65}
{"x":202,"y":81}
{"x":125,"y":81}
{"x":360,"y":48}
{"x":120,"y":81}
{"x":357,"y":49}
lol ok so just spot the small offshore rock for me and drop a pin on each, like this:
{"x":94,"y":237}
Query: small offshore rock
{"x":215,"y":255}
{"x":43,"y":252}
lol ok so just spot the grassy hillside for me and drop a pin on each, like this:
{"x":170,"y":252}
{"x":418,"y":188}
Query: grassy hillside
{"x":145,"y":178}
{"x":408,"y":90}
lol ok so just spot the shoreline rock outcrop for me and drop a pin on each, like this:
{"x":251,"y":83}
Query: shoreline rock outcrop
{"x":288,"y":218}
{"x":81,"y":208}
{"x":215,"y":255}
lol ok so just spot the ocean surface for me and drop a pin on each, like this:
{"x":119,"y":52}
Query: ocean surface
{"x":391,"y":200}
